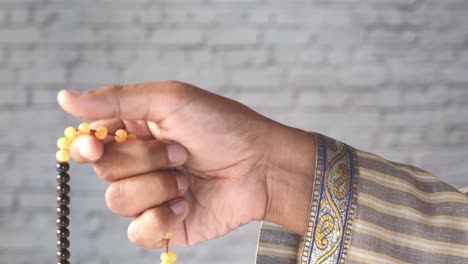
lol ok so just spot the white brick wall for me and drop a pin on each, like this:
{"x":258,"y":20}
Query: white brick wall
{"x":387,"y":76}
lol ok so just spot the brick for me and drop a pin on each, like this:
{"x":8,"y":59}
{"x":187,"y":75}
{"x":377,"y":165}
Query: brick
{"x":281,"y":99}
{"x":253,"y":78}
{"x":150,"y":17}
{"x":317,"y":77}
{"x":179,"y":37}
{"x":405,"y":74}
{"x":6,"y":200}
{"x":326,"y":121}
{"x":172,"y":58}
{"x":212,"y":79}
{"x":424,"y":17}
{"x":232,"y":37}
{"x":111,"y":16}
{"x":364,"y":76}
{"x":44,"y":96}
{"x":3,"y":17}
{"x":97,"y":57}
{"x":175,"y":17}
{"x":421,"y":118}
{"x":290,"y":18}
{"x":216,"y":17}
{"x":122,"y":35}
{"x":244,"y":57}
{"x":121,"y":57}
{"x":97,"y":75}
{"x":136,"y":73}
{"x":442,"y":39}
{"x":339,"y":57}
{"x":13,"y":96}
{"x":20,"y":36}
{"x":43,"y":74}
{"x":260,"y":17}
{"x":432,"y":97}
{"x":19,"y":17}
{"x":204,"y":16}
{"x":454,"y":116}
{"x":452,"y":75}
{"x":36,"y":200}
{"x":73,"y":36}
{"x":400,"y":39}
{"x":56,"y":16}
{"x":7,"y":76}
{"x":323,"y":99}
{"x":307,"y":57}
{"x":286,"y":38}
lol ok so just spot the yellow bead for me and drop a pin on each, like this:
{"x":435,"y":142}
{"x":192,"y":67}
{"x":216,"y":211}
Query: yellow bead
{"x":172,"y":256}
{"x":131,"y":137}
{"x":166,"y":262}
{"x":63,"y":143}
{"x":62,"y":155}
{"x":120,"y":135}
{"x":164,"y":257}
{"x":101,"y":133}
{"x":169,"y":235}
{"x":71,"y":133}
{"x":84,"y":129}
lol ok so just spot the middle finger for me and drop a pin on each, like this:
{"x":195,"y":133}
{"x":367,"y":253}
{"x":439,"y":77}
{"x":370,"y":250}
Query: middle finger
{"x":121,"y":160}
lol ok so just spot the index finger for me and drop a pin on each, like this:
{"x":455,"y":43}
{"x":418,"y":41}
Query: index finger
{"x":146,"y":101}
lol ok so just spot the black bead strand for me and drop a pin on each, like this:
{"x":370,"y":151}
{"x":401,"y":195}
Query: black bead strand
{"x":63,"y":254}
{"x":63,"y":221}
{"x":63,"y":188}
{"x":63,"y":166}
{"x":63,"y":232}
{"x":63,"y":243}
{"x":62,"y":212}
{"x":63,"y":177}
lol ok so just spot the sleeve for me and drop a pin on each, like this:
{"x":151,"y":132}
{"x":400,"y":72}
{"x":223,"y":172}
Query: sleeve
{"x":365,"y":209}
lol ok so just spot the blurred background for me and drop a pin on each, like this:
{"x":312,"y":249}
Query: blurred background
{"x":387,"y":76}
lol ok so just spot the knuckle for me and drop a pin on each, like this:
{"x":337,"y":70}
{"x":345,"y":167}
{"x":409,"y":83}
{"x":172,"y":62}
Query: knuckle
{"x":104,"y":172}
{"x":155,"y":218}
{"x":156,"y":151}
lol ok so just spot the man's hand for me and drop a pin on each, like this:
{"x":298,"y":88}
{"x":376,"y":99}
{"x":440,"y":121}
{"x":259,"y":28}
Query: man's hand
{"x":203,"y":165}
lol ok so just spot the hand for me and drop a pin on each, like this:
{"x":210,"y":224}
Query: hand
{"x":227,"y":159}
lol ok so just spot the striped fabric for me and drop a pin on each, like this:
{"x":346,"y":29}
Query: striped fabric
{"x":395,"y":214}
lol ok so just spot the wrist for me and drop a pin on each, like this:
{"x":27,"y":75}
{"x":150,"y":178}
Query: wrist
{"x":290,"y":177}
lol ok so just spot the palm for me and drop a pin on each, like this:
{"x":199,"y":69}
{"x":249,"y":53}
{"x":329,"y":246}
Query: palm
{"x":225,"y":160}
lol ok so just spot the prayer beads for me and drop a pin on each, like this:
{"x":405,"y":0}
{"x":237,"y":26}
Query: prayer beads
{"x":63,"y":187}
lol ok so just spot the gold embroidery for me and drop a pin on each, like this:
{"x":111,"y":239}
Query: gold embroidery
{"x":333,"y":205}
{"x":324,"y":228}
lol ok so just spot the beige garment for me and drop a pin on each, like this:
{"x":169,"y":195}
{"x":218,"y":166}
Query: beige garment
{"x":366,"y":209}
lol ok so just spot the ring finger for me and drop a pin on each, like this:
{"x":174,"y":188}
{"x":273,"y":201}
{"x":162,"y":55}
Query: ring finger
{"x":131,"y":196}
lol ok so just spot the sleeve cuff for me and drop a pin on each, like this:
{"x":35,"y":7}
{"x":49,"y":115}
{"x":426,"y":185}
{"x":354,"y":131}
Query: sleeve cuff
{"x":332,"y":210}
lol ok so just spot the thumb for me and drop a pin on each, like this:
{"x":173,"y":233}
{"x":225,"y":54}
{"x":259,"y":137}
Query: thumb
{"x":146,"y":101}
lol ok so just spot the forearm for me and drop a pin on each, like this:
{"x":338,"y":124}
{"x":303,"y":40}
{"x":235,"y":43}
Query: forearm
{"x":290,"y":178}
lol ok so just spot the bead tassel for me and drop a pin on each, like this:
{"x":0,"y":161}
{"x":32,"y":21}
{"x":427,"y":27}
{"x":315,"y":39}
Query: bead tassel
{"x":63,"y":188}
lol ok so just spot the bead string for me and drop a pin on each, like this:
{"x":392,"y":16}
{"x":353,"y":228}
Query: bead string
{"x":63,"y":187}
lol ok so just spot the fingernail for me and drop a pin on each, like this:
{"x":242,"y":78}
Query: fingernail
{"x":72,"y":92}
{"x":182,"y":182}
{"x":179,"y":206}
{"x":176,"y":153}
{"x":84,"y":151}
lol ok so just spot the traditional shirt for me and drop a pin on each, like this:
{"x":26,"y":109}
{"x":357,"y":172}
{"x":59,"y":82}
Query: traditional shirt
{"x":365,"y":209}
